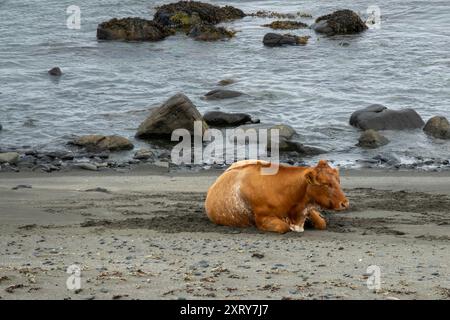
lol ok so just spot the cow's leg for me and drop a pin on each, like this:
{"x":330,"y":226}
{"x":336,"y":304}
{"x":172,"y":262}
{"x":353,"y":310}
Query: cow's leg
{"x":318,"y":222}
{"x":297,"y":219}
{"x":273,"y":224}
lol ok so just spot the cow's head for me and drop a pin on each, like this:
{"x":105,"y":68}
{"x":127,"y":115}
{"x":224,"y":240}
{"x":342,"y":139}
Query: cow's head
{"x":324,"y":187}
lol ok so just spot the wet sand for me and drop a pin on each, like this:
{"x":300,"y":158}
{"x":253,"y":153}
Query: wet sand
{"x":144,"y":235}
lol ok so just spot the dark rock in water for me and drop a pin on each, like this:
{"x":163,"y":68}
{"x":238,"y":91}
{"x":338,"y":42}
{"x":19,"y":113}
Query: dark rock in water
{"x":177,"y":112}
{"x":277,"y":40}
{"x":223,"y":119}
{"x":438,"y":127}
{"x":186,"y":14}
{"x":98,"y":143}
{"x":379,"y":117}
{"x":208,"y":32}
{"x":218,"y":94}
{"x":339,"y":22}
{"x":56,"y":72}
{"x":286,"y":25}
{"x":226,"y":82}
{"x":1,"y":127}
{"x":371,"y":139}
{"x":132,"y":29}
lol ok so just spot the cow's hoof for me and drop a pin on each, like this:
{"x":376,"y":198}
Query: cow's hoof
{"x":296,"y":228}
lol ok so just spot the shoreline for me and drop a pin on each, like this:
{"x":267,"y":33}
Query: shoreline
{"x":146,"y":237}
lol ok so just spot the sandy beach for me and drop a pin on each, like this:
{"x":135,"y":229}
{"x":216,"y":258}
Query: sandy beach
{"x":144,"y":235}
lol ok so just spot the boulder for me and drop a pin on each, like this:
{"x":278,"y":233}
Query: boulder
{"x":143,"y":154}
{"x":224,"y":119}
{"x":371,"y":139}
{"x":208,"y":32}
{"x":339,"y":22}
{"x":176,"y":113}
{"x":438,"y":127}
{"x":96,"y":143}
{"x":186,"y":14}
{"x":9,"y":157}
{"x":56,"y":72}
{"x":286,"y":135}
{"x":277,"y":40}
{"x":132,"y":29}
{"x":379,"y":117}
{"x":219,"y":94}
{"x":286,"y":25}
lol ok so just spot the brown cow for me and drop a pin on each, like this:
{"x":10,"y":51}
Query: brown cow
{"x":242,"y":196}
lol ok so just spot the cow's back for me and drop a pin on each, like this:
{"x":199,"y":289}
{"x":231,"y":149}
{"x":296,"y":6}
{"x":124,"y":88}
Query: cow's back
{"x":224,"y":203}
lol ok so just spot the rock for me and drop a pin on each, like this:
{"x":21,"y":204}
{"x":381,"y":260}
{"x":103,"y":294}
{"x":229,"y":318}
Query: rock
{"x":22,"y":186}
{"x":9,"y":157}
{"x":277,"y":40}
{"x":379,"y":117}
{"x":1,"y":127}
{"x":371,"y":139}
{"x":186,"y":14}
{"x":143,"y":154}
{"x":286,"y":25}
{"x":132,"y":29}
{"x":177,"y":112}
{"x":438,"y":127}
{"x":224,"y":119}
{"x":56,"y":72}
{"x":339,"y":22}
{"x":208,"y":32}
{"x":218,"y":94}
{"x":224,"y":82}
{"x":286,"y":134}
{"x":100,"y":143}
{"x":86,"y":166}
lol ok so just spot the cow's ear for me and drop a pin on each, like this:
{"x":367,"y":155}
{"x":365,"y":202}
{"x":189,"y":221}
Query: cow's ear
{"x":311,"y":178}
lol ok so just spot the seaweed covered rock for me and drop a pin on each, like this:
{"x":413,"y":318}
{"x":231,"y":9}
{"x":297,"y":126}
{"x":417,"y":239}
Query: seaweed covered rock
{"x":208,"y":32}
{"x":286,"y":25}
{"x":186,"y":14}
{"x":371,"y":139}
{"x":132,"y":29}
{"x":438,"y":127}
{"x":339,"y":22}
{"x":176,"y":113}
{"x":278,"y":40}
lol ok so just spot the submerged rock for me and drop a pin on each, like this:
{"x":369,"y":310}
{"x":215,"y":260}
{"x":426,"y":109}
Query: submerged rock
{"x":438,"y":127}
{"x":277,"y":40}
{"x":226,"y":82}
{"x":9,"y":157}
{"x":371,"y":139}
{"x":339,"y":22}
{"x":56,"y":72}
{"x":286,"y":25}
{"x":379,"y":117}
{"x":186,"y":14}
{"x":223,"y":119}
{"x":132,"y":29}
{"x":177,"y":112}
{"x":218,"y":94}
{"x":100,"y":143}
{"x":207,"y":32}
